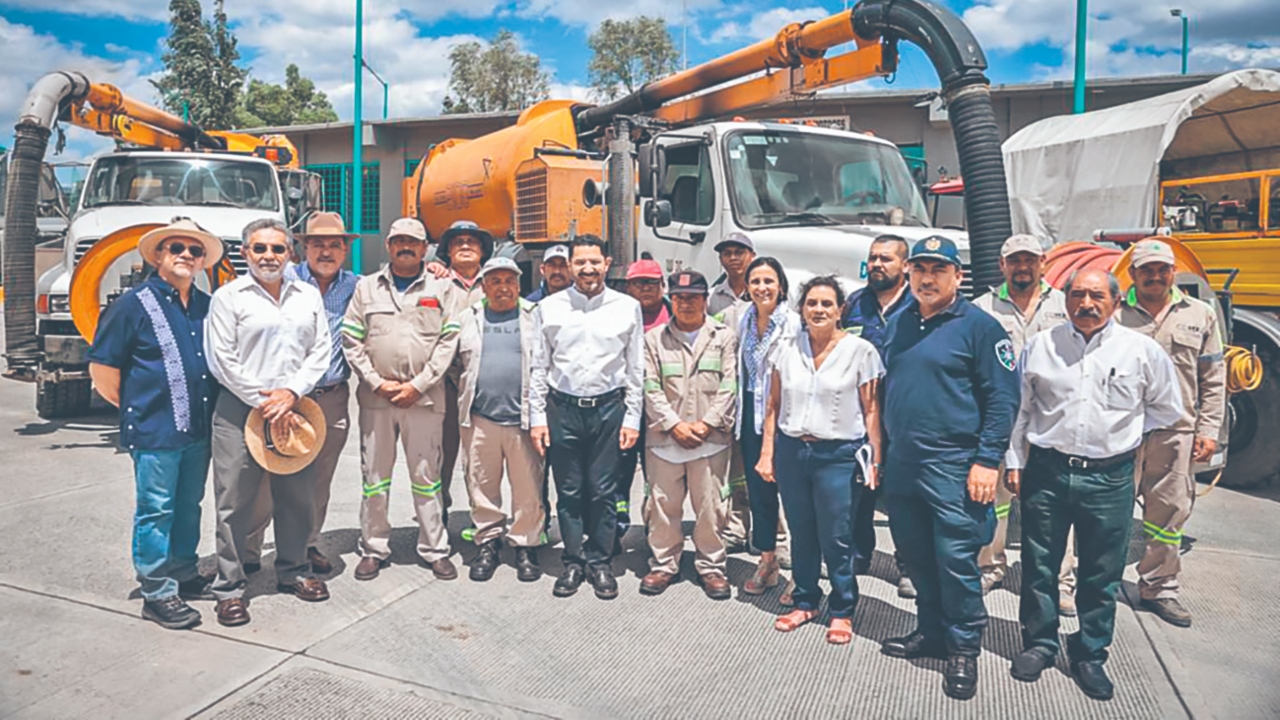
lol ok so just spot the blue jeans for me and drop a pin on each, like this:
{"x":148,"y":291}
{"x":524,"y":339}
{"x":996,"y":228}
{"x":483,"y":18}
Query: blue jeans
{"x":820,"y":492}
{"x":166,"y":522}
{"x":762,"y":497}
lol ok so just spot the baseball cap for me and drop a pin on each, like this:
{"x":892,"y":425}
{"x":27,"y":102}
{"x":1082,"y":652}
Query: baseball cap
{"x":736,"y":238}
{"x":935,"y":247}
{"x":556,"y":251}
{"x":644,"y":269}
{"x":687,"y":282}
{"x":499,"y":263}
{"x":1021,"y":243}
{"x":407,"y":227}
{"x":1152,"y":250}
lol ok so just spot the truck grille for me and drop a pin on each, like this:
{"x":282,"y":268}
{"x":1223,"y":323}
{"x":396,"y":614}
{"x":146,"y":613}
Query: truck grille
{"x":84,"y":246}
{"x":966,"y":282}
{"x":531,"y":205}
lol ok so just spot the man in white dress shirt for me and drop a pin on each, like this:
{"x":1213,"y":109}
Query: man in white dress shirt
{"x":267,"y":342}
{"x":585,"y":398}
{"x":1091,"y":390}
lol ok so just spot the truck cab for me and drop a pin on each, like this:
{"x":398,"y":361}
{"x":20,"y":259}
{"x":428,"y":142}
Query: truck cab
{"x":815,"y":198}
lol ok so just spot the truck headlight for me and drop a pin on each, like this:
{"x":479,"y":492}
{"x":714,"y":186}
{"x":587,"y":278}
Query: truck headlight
{"x":59,"y":304}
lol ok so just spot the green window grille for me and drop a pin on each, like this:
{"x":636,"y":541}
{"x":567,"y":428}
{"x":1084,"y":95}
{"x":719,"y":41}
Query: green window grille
{"x":337,"y":193}
{"x":411,"y":166}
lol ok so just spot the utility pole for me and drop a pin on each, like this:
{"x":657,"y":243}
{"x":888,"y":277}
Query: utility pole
{"x":684,"y":34}
{"x":1176,"y":12}
{"x":357,"y":144}
{"x":1082,"y":30}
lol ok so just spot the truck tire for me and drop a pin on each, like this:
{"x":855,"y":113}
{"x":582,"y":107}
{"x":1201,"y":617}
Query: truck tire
{"x":1253,"y":459}
{"x":67,"y":398}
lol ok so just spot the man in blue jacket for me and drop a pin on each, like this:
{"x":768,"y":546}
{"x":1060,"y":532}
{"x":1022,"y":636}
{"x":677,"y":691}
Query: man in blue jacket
{"x":951,"y":394}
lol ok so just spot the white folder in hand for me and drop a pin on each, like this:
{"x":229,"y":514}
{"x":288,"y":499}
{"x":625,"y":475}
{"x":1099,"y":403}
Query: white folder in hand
{"x":866,"y":460}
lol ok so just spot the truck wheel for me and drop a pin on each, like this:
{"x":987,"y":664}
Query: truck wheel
{"x":1253,"y":461}
{"x":67,"y":398}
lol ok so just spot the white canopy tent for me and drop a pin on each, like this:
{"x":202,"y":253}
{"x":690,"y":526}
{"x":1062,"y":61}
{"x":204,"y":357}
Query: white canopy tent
{"x":1073,"y":174}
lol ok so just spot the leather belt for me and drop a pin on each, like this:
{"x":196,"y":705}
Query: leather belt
{"x":326,"y":389}
{"x":587,"y":402}
{"x":1079,"y":462}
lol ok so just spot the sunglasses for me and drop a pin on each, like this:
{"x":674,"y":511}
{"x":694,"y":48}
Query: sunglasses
{"x":262,"y":248}
{"x":646,"y":282}
{"x":177,"y":248}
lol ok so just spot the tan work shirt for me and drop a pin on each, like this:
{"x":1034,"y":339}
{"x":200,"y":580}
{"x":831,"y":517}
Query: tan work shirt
{"x":1188,"y":330}
{"x":1050,"y":310}
{"x":690,"y":384}
{"x":409,"y":337}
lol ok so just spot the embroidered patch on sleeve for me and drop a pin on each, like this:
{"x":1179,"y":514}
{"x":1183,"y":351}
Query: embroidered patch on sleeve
{"x":1004,"y":353}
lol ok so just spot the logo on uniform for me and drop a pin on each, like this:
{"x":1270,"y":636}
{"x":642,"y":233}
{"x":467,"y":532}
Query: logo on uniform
{"x":1004,"y":353}
{"x":932,"y":244}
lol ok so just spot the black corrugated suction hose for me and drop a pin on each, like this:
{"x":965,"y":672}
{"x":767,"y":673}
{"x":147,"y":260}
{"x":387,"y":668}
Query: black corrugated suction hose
{"x":22,"y":348}
{"x":986,"y":194}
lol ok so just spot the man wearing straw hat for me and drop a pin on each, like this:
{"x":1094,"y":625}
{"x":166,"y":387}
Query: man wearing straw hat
{"x":267,"y":341}
{"x":148,"y":359}
{"x":325,"y":244}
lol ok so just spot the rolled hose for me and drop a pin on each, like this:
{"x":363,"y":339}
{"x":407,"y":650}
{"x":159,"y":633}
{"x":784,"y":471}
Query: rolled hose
{"x":1244,"y":370}
{"x":22,"y":347}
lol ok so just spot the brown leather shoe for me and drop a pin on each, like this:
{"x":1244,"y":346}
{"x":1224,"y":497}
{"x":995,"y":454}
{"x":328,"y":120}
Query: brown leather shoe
{"x":716,"y":586}
{"x":444,"y":569}
{"x":369,"y":567}
{"x":320,"y":564}
{"x":309,"y":589}
{"x":655,"y":582}
{"x":232,"y":612}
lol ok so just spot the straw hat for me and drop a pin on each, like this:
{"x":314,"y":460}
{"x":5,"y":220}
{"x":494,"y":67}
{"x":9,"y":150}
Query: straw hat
{"x":287,"y":455}
{"x":325,"y":224}
{"x":187,"y":229}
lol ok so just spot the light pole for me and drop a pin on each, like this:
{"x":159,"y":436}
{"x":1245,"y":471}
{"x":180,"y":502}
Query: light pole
{"x":1176,"y":12}
{"x":357,"y":144}
{"x":1082,"y":30}
{"x":385,"y":87}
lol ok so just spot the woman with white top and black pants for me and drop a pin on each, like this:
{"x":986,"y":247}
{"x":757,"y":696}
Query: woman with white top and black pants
{"x":823,"y":407}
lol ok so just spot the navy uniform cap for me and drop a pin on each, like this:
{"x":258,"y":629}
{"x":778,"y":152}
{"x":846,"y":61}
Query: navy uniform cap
{"x":687,"y":282}
{"x":936,"y":247}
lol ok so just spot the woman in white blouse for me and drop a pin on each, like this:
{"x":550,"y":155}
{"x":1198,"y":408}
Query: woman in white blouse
{"x":765,"y":326}
{"x":823,"y":409}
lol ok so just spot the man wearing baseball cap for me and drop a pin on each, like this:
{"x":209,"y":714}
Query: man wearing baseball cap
{"x":690,"y":390}
{"x":555,"y":273}
{"x":644,"y":283}
{"x":495,"y":350}
{"x":1188,"y":330}
{"x":1024,"y":304}
{"x":148,"y":360}
{"x":950,"y":396}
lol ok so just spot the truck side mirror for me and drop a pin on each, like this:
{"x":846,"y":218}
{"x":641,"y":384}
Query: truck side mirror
{"x":645,"y":156}
{"x":657,"y":213}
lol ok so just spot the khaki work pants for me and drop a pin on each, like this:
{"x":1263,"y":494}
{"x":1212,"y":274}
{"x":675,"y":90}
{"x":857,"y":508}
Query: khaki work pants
{"x":490,"y":447}
{"x":1167,"y":491}
{"x":737,"y":526}
{"x":704,"y":481}
{"x":419,"y":430}
{"x":995,"y":563}
{"x":334,"y":404}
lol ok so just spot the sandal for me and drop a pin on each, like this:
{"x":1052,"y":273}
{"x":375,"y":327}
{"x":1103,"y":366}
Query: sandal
{"x":793,"y":620}
{"x":765,"y":577}
{"x":787,"y":598}
{"x":840,"y":632}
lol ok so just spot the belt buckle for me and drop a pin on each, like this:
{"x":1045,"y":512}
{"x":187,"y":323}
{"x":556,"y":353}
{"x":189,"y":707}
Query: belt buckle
{"x":1077,"y":462}
{"x":587,"y":402}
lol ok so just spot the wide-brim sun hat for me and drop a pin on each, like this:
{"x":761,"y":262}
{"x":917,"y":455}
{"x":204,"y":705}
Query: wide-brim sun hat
{"x":465,"y":227}
{"x":286,"y":455}
{"x":149,"y":245}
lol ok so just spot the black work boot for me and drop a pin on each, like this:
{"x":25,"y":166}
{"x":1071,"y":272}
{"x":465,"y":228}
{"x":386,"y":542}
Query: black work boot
{"x":960,"y":679}
{"x":915,"y":645}
{"x":486,"y":562}
{"x":606,"y":586}
{"x":1092,"y":678}
{"x":569,"y":580}
{"x":527,"y":567}
{"x":1029,"y":664}
{"x":171,"y":613}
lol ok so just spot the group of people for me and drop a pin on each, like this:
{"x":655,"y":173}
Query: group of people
{"x":781,"y":414}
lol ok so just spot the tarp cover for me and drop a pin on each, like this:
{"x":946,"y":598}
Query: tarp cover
{"x":1073,"y":174}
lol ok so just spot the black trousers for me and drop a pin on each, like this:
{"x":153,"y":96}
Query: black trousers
{"x":587,"y":464}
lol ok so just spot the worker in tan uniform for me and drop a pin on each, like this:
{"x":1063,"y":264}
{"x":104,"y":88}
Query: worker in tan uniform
{"x":400,"y":341}
{"x":496,"y":349}
{"x":1188,"y":330}
{"x":690,"y":390}
{"x":1024,"y":304}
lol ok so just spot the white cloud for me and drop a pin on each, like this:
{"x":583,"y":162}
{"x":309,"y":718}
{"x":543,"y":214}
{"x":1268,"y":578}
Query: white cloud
{"x":590,"y":13}
{"x":765,"y":24}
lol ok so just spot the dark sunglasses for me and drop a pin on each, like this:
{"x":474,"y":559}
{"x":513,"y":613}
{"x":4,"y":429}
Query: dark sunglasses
{"x":646,"y":282}
{"x":177,"y":248}
{"x":261,"y":249}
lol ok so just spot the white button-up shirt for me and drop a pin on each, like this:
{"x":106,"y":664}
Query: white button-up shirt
{"x":825,"y":402}
{"x":587,"y":346}
{"x":255,"y":343}
{"x":1094,"y":399}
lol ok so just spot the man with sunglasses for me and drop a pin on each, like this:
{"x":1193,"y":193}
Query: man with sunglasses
{"x":147,"y":359}
{"x":267,"y":341}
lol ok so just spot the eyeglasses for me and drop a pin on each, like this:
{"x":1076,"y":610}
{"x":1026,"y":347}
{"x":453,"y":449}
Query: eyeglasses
{"x":177,"y":248}
{"x":645,"y":282}
{"x":261,"y":249}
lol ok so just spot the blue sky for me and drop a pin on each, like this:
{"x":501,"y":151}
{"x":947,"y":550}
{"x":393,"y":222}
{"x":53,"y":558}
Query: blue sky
{"x":408,"y":41}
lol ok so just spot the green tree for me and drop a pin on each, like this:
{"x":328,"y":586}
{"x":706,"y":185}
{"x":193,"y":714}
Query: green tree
{"x":626,"y":54}
{"x":499,"y":77}
{"x":297,"y":102}
{"x":200,"y":66}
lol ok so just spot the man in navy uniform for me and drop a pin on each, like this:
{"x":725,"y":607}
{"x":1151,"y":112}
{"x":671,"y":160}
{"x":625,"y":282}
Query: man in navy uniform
{"x":951,"y":393}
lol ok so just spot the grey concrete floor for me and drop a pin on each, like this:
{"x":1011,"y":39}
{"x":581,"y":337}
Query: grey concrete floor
{"x":72,"y":643}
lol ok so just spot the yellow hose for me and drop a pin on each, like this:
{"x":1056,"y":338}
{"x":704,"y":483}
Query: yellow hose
{"x":1244,"y":369}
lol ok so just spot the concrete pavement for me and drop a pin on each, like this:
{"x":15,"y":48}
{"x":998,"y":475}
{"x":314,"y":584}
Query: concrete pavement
{"x":72,"y":643}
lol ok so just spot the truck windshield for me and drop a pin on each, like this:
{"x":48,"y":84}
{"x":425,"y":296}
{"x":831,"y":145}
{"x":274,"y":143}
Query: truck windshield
{"x":802,"y":178}
{"x":181,"y":181}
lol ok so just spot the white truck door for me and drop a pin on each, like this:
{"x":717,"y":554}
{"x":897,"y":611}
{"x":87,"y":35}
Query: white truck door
{"x":693,"y":187}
